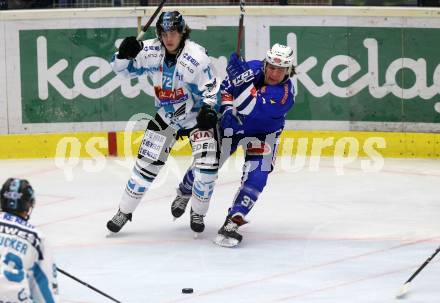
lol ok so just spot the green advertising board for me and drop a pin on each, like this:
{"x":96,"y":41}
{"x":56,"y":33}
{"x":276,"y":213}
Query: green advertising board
{"x":364,"y":73}
{"x":66,"y":75}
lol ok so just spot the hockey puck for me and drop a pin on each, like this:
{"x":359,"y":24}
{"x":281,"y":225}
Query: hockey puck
{"x":187,"y":290}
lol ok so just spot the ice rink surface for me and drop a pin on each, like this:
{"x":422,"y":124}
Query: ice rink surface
{"x":319,"y":233}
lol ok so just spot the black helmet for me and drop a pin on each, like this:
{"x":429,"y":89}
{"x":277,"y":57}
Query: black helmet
{"x":169,"y":21}
{"x":17,"y":196}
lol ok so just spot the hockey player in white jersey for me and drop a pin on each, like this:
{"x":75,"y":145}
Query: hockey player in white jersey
{"x":186,"y":94}
{"x":27,"y":272}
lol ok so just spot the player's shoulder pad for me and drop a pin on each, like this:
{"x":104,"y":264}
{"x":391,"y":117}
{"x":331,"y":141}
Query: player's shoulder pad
{"x":152,"y":45}
{"x":195,"y":54}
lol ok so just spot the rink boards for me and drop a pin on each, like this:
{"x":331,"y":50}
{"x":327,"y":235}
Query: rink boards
{"x":367,"y":83}
{"x":361,"y":69}
{"x":293,"y":143}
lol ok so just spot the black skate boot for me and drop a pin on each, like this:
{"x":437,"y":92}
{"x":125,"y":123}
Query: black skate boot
{"x":197,"y":224}
{"x":118,"y":221}
{"x":179,"y":204}
{"x":227,"y":235}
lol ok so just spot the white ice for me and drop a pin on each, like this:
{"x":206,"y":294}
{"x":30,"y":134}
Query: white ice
{"x":319,"y":233}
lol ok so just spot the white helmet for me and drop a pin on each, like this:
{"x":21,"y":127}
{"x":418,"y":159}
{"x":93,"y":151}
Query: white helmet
{"x":280,"y":55}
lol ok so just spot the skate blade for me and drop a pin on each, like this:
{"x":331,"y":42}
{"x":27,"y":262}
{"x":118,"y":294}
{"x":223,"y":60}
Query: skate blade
{"x":225,"y":242}
{"x":196,"y":235}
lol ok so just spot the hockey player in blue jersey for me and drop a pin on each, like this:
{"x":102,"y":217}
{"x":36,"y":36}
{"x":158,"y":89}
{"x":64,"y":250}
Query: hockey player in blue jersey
{"x":27,"y":272}
{"x":186,"y":95}
{"x":256,"y":97}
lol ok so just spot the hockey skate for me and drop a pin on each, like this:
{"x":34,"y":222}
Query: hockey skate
{"x":118,"y":221}
{"x":227,"y":235}
{"x":179,"y":204}
{"x":197,"y":224}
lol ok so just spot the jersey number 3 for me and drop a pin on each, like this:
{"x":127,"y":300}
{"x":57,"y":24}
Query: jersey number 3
{"x":14,"y":268}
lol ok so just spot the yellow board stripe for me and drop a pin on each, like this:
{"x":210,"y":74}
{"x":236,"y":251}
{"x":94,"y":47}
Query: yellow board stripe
{"x":388,"y":144}
{"x":85,"y":145}
{"x":324,"y":143}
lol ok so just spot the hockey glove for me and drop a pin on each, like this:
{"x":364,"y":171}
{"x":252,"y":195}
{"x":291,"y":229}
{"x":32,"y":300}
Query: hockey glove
{"x":181,"y":133}
{"x":240,"y":75}
{"x":207,"y":118}
{"x":236,"y":66}
{"x":129,"y":48}
{"x":229,"y":123}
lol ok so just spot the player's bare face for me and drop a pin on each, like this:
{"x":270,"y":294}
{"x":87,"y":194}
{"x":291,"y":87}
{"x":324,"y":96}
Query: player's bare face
{"x":274,"y":74}
{"x":171,"y":40}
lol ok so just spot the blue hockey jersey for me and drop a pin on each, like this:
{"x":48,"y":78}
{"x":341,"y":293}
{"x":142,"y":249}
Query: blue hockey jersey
{"x":261,"y":108}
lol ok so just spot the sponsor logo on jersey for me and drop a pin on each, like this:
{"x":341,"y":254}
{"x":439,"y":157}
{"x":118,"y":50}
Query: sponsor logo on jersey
{"x":151,"y":47}
{"x":245,"y":77}
{"x":200,"y":135}
{"x":202,"y":142}
{"x":186,"y":66}
{"x":200,"y":147}
{"x":152,"y":69}
{"x":286,"y":94}
{"x":152,"y":145}
{"x":191,"y":59}
{"x":27,"y":235}
{"x":168,"y":96}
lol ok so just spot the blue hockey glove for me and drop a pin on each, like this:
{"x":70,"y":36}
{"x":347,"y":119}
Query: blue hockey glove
{"x":240,"y":75}
{"x":236,"y":66}
{"x":229,"y":121}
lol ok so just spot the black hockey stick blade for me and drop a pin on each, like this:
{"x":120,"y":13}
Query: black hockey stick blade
{"x":147,"y":25}
{"x":405,"y":288}
{"x":87,"y":285}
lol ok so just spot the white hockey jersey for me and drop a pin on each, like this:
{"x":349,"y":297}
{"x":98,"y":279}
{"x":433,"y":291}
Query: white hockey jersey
{"x":27,"y":272}
{"x":180,"y":91}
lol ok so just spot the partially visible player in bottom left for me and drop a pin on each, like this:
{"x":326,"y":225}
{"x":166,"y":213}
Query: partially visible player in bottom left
{"x":27,"y":272}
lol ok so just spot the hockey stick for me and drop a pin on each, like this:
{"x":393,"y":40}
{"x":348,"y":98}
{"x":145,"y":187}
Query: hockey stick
{"x":240,"y":27}
{"x":238,"y":50}
{"x":87,"y":285}
{"x":146,"y":26}
{"x":405,"y":287}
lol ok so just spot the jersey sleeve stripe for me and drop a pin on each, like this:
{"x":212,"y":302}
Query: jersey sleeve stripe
{"x":136,"y":71}
{"x":244,"y":95}
{"x":245,"y":103}
{"x":43,"y":283}
{"x":248,"y":108}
